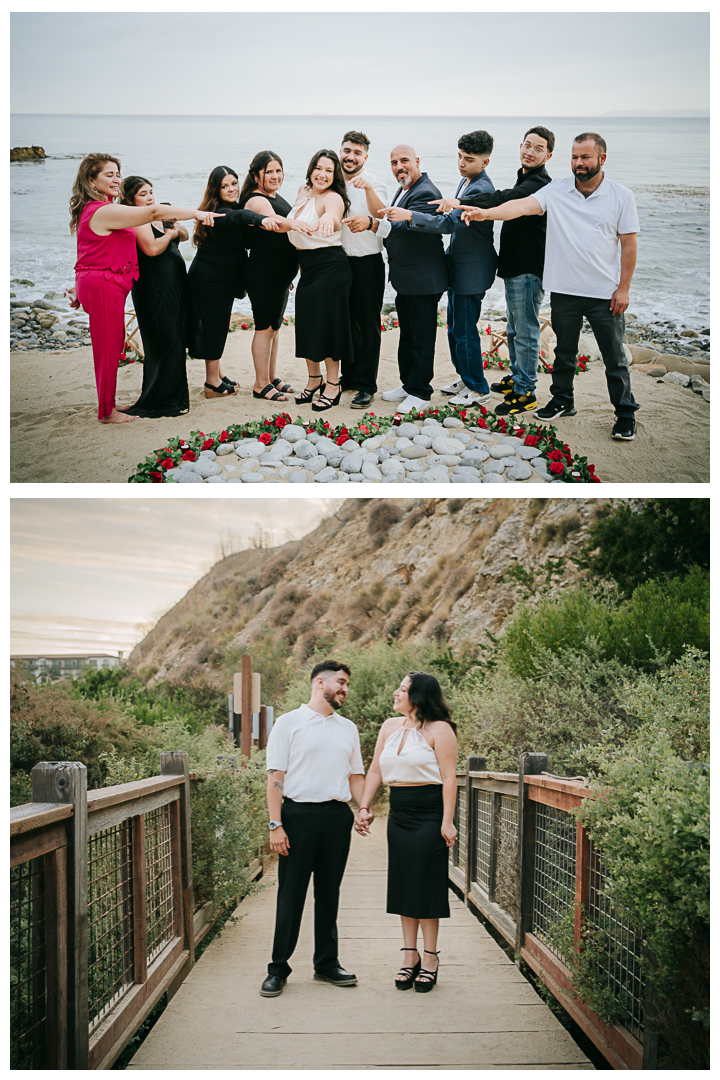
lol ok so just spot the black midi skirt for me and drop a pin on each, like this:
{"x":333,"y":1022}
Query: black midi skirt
{"x":417,"y":884}
{"x":322,"y":306}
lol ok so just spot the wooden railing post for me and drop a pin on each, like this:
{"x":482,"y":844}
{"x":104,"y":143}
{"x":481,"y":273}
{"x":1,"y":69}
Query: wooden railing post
{"x":66,"y":782}
{"x":262,"y":735}
{"x":139,"y":895}
{"x":246,"y":708}
{"x":530,"y":765}
{"x":175,"y":763}
{"x":495,"y":827}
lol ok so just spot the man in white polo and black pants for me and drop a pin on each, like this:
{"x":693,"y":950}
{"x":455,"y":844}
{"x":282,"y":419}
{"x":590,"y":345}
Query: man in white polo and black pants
{"x":588,"y":217}
{"x":314,"y":768}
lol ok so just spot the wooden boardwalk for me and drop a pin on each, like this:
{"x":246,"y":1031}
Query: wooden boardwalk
{"x":482,"y":1014}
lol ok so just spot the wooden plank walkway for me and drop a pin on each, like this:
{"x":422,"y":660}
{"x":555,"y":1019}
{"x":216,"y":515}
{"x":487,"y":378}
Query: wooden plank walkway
{"x":482,"y":1014}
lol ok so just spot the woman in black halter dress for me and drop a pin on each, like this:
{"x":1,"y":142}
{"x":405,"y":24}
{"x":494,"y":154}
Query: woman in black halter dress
{"x":271,"y":269}
{"x":160,"y":301}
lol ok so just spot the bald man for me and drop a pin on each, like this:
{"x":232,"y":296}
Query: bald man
{"x":418,"y":273}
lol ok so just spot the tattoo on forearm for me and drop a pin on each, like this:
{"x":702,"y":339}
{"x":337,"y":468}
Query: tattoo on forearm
{"x":271,"y":771}
{"x":278,"y":784}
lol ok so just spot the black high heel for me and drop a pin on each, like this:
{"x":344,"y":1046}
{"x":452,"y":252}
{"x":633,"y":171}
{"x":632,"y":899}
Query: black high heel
{"x":307,"y":394}
{"x":426,"y":985}
{"x":411,"y":973}
{"x":327,"y":403}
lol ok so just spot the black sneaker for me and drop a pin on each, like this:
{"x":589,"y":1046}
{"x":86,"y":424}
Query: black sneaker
{"x":362,"y":399}
{"x":553,"y":410}
{"x":505,"y":385}
{"x":624,"y":428}
{"x":516,"y":403}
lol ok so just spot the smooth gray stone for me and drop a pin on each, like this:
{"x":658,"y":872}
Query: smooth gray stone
{"x":249,"y":464}
{"x":351,"y":445}
{"x":443,"y":444}
{"x":392,"y":450}
{"x":493,"y":478}
{"x":493,"y":466}
{"x":253,"y":478}
{"x":325,"y":476}
{"x":341,"y":478}
{"x":463,"y":436}
{"x":706,"y":393}
{"x":371,"y":472}
{"x":414,"y":451}
{"x":392,"y":468}
{"x":234,"y":480}
{"x":208,"y":454}
{"x":186,"y":466}
{"x":508,"y":462}
{"x":374,"y":442}
{"x":486,"y":437}
{"x":206,"y":468}
{"x":225,"y":448}
{"x":185,"y":477}
{"x":676,"y":377}
{"x":353,"y":463}
{"x":316,"y":464}
{"x":521,"y":471}
{"x":436,"y":476}
{"x":452,"y":422}
{"x":280,"y":448}
{"x":293,"y":433}
{"x":393,"y":480}
{"x":498,"y":452}
{"x":447,"y":459}
{"x":406,"y":430}
{"x":272,"y":480}
{"x":299,"y":476}
{"x":271,"y":470}
{"x":356,"y":478}
{"x":383,"y":455}
{"x":414,"y":466}
{"x":466,"y":469}
{"x":474,"y":457}
{"x":305,"y":449}
{"x":512,"y":441}
{"x":217,"y":479}
{"x":284,"y":471}
{"x":423,"y":440}
{"x":172,"y":474}
{"x":250,"y":448}
{"x":313,"y":437}
{"x":323,"y":443}
{"x":465,"y":478}
{"x":402,"y":442}
{"x":289,"y":460}
{"x":335,"y":455}
{"x":527,"y":453}
{"x":372,"y":458}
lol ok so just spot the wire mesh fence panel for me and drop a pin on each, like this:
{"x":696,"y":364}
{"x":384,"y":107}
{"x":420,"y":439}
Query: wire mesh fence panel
{"x":462,"y":828}
{"x":620,"y":945}
{"x":507,"y":852}
{"x":158,"y":876}
{"x":28,"y":974}
{"x":483,"y":826}
{"x":554,"y":875}
{"x":110,"y":919}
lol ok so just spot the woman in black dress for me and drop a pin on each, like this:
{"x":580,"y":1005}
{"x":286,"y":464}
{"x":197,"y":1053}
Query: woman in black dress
{"x":217,"y":276}
{"x":160,"y":300}
{"x":416,"y":755}
{"x":271,"y":269}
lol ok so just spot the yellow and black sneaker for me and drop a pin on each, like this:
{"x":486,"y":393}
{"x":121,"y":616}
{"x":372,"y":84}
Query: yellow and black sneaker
{"x":516,"y":403}
{"x":505,"y":386}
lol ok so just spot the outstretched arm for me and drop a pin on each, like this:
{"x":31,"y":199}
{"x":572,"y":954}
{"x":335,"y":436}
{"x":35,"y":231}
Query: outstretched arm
{"x":112,"y":216}
{"x":507,"y":212}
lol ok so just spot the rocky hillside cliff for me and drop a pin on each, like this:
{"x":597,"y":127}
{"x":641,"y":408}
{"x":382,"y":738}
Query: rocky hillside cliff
{"x":401,"y":568}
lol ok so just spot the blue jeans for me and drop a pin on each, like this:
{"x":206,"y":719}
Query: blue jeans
{"x":463,"y":314}
{"x":523,"y":297}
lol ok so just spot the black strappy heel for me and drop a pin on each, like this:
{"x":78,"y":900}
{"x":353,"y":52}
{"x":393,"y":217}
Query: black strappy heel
{"x":426,"y":985}
{"x":410,"y":973}
{"x":327,"y":403}
{"x":307,"y":394}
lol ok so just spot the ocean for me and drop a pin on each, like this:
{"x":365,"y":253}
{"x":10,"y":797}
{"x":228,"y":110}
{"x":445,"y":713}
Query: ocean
{"x":664,"y":160}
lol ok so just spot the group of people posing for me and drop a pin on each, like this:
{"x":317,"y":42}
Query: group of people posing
{"x":315,"y":769}
{"x":576,"y":237}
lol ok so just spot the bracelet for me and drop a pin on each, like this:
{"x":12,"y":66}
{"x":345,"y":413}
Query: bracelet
{"x":372,"y":219}
{"x":364,"y":807}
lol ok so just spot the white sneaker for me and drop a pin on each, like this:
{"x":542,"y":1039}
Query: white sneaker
{"x":411,"y":402}
{"x":453,"y":388}
{"x":470,"y":397}
{"x":395,"y":395}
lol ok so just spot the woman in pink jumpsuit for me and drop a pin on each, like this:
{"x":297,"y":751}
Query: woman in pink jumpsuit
{"x":107,"y":265}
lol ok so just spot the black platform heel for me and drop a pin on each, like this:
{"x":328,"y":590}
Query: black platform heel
{"x":410,"y":973}
{"x":327,"y":403}
{"x":426,"y":985}
{"x":308,"y":395}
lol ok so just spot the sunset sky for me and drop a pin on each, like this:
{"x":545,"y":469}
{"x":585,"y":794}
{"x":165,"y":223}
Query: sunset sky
{"x":95,"y":574}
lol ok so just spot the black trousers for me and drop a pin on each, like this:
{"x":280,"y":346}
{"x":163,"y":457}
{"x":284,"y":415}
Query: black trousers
{"x":366,"y":299}
{"x":319,"y":835}
{"x":567,"y":317}
{"x":417,"y":316}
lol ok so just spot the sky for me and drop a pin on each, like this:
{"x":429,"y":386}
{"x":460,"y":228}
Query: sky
{"x":96,"y":574}
{"x":378,"y":63}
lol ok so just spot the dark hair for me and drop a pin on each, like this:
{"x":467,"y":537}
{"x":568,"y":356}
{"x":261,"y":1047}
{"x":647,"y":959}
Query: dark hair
{"x":83,"y":191}
{"x":598,"y":139}
{"x":129,"y":189}
{"x":544,"y":133}
{"x":476,"y":142}
{"x":211,"y":199}
{"x":256,"y":166}
{"x":426,"y":698}
{"x":338,"y":183}
{"x":358,"y":137}
{"x":328,"y":665}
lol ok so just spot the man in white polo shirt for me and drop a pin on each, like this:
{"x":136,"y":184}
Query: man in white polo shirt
{"x":588,"y":217}
{"x":314,"y":768}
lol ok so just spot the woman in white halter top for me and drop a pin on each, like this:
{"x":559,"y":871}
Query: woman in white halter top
{"x":416,"y":755}
{"x":322,"y":308}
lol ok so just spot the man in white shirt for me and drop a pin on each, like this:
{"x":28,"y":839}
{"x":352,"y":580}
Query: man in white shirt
{"x":362,"y":239}
{"x":588,"y":217}
{"x":314,"y":768}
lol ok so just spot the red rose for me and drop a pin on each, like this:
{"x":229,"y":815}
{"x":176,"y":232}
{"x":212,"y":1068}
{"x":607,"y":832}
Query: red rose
{"x":156,"y":477}
{"x":483,"y":411}
{"x":595,"y":479}
{"x":280,"y":422}
{"x":224,"y":436}
{"x":555,"y":455}
{"x":341,"y":439}
{"x":482,"y":424}
{"x":267,"y":422}
{"x":371,"y":414}
{"x":531,"y":440}
{"x":344,"y":431}
{"x":244,"y":326}
{"x":489,"y":329}
{"x":363,"y":428}
{"x":208,"y":444}
{"x":584,"y":358}
{"x":485,"y":363}
{"x":189,"y":455}
{"x":326,"y":425}
{"x":556,"y":467}
{"x":591,"y":469}
{"x":266,"y":437}
{"x":167,"y":463}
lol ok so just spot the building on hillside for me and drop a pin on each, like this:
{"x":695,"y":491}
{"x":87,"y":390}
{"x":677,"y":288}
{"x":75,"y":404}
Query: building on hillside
{"x":51,"y":668}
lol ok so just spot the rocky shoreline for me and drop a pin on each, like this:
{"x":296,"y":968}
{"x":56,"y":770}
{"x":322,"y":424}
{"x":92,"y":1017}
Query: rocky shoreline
{"x":41,"y":323}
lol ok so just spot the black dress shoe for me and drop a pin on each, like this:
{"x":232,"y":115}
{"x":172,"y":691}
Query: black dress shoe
{"x":273,"y":986}
{"x":361,"y":400}
{"x":337,"y":976}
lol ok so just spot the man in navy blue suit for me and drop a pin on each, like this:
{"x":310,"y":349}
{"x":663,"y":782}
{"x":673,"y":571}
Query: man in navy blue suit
{"x":418,"y":273}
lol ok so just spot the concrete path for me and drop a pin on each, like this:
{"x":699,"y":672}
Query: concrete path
{"x":481,"y":1015}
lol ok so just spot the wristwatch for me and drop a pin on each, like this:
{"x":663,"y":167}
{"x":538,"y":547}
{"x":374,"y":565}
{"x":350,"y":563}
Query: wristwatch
{"x":274,"y":825}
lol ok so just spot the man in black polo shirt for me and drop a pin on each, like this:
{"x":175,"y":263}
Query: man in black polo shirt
{"x":520,"y":263}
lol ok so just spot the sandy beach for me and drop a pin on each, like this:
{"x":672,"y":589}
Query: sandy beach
{"x":55,"y":436}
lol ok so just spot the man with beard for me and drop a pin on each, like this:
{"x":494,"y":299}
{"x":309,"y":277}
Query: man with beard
{"x":362,"y":239}
{"x":314,"y":767}
{"x":588,"y":216}
{"x":418,"y":272}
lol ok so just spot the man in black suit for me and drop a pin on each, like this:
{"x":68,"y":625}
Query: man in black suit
{"x":418,"y":273}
